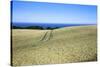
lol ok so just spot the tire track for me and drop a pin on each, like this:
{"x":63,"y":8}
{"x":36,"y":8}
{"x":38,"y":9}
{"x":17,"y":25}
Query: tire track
{"x":47,"y":36}
{"x":44,"y":36}
{"x":51,"y":35}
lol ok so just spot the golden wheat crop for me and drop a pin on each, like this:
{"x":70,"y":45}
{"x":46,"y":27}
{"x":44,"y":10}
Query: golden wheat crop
{"x":63,"y":45}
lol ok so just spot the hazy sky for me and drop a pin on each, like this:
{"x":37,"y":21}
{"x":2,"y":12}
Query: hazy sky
{"x":53,"y":13}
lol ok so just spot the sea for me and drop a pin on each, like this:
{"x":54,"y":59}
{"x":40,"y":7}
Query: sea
{"x":45,"y":25}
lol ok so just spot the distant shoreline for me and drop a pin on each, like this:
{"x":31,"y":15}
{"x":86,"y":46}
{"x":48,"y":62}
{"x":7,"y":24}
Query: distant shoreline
{"x":45,"y":25}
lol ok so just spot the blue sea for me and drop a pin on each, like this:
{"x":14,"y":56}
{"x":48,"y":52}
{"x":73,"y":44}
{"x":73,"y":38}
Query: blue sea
{"x":45,"y":25}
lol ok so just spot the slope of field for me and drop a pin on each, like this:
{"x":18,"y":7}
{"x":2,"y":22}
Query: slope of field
{"x":64,"y":45}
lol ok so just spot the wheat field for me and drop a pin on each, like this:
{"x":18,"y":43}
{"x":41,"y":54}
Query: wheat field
{"x":63,"y":45}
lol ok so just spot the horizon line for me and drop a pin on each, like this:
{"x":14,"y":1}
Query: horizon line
{"x":49,"y":23}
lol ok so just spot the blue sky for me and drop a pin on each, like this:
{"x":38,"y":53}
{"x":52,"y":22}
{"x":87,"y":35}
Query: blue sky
{"x":41,"y":12}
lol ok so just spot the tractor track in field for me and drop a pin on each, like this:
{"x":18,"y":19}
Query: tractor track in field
{"x":47,"y":35}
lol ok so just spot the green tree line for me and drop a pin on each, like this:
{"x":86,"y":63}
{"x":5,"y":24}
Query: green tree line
{"x":34,"y":27}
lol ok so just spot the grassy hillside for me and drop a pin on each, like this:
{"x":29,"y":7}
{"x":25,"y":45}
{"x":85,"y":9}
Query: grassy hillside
{"x":64,"y":45}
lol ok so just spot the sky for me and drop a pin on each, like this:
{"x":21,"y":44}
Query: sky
{"x":42,"y":12}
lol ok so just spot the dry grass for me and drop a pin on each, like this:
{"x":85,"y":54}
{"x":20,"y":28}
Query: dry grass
{"x":72,"y":44}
